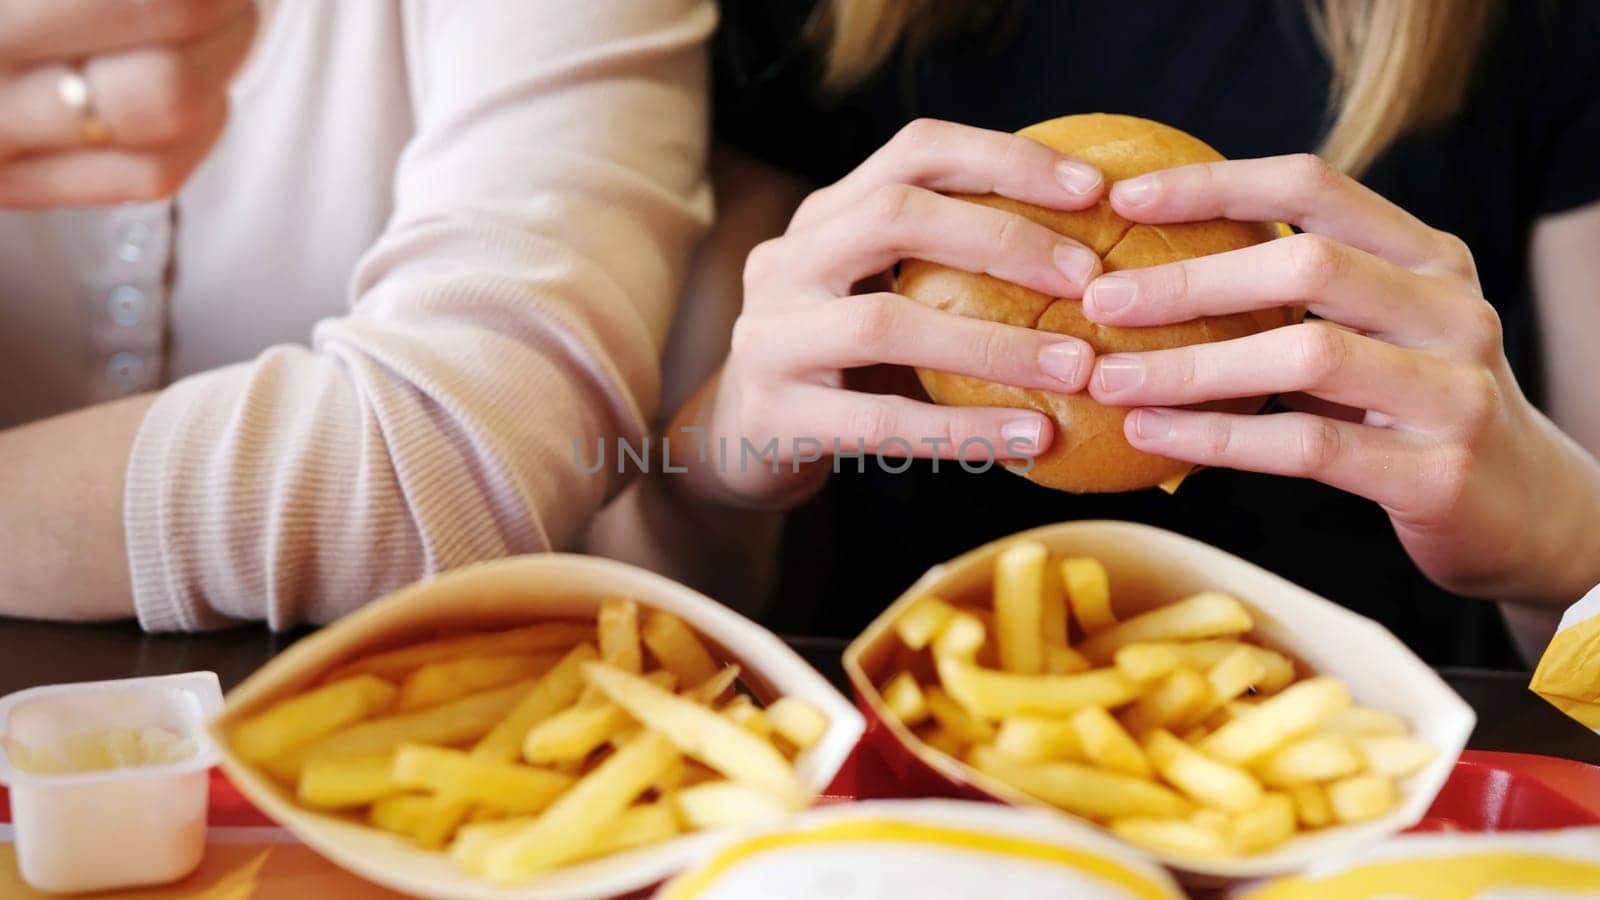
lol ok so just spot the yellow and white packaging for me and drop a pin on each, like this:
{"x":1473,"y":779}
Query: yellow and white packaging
{"x":519,"y":591}
{"x":1569,"y":671}
{"x":927,"y":849}
{"x":1562,"y":864}
{"x":1150,"y":567}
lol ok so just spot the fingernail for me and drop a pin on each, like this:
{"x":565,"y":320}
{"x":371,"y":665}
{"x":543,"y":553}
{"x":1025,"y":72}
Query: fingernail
{"x":1135,"y":191}
{"x":1152,"y":425}
{"x":1021,"y":436}
{"x":1119,"y":373}
{"x":1110,"y":293}
{"x":1077,"y":177}
{"x":1077,"y":263}
{"x":1062,"y":361}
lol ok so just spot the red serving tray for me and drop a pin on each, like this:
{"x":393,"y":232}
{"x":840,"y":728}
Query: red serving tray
{"x":1486,"y":792}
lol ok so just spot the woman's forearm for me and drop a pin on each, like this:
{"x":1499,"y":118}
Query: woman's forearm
{"x":62,"y":550}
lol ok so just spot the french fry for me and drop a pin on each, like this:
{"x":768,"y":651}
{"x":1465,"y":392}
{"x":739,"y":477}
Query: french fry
{"x":304,"y":719}
{"x":1310,"y":804}
{"x":1194,"y":734}
{"x":797,"y":721}
{"x":718,"y":803}
{"x":1313,"y":758}
{"x":1147,"y":662}
{"x":1063,"y":660}
{"x":904,"y":698}
{"x":742,"y":710}
{"x":1089,"y":593}
{"x":559,"y":688}
{"x":428,"y":820}
{"x":962,"y":637}
{"x":1104,"y":742}
{"x":575,"y":822}
{"x":1033,"y":739}
{"x":458,"y":721}
{"x":1206,"y":614}
{"x":956,"y":719}
{"x":674,"y":645}
{"x":1266,"y":824}
{"x":1174,"y":836}
{"x":638,"y":825}
{"x":1207,"y":780}
{"x":1364,"y":721}
{"x":348,"y":781}
{"x":1053,"y":625}
{"x":943,"y":740}
{"x":1231,"y":677}
{"x":471,"y":841}
{"x":1277,"y":720}
{"x":700,"y":733}
{"x":1174,"y":700}
{"x":1396,"y":757}
{"x":922,"y":621}
{"x":994,"y":695}
{"x":1018,"y":610}
{"x":457,"y":775}
{"x":1079,"y":789}
{"x":451,"y":679}
{"x":395,"y":665}
{"x":1360,"y":798}
{"x":577,"y":731}
{"x":618,"y":625}
{"x":713,"y":689}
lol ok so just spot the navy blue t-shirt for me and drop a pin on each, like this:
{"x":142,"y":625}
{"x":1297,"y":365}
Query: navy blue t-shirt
{"x":1248,"y":78}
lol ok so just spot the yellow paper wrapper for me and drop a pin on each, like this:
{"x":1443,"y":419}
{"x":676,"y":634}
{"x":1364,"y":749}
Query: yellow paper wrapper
{"x":1560,"y":863}
{"x":1569,"y":672}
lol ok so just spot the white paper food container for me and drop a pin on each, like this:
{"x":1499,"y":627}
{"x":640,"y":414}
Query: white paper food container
{"x":512,"y":592}
{"x":1150,"y":567}
{"x":113,"y":828}
{"x":924,"y":849}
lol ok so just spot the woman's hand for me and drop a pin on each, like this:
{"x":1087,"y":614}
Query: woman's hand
{"x":812,"y":310}
{"x":109,"y":101}
{"x":1411,"y":402}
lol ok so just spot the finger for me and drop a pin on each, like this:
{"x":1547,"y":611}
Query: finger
{"x":145,"y":98}
{"x":888,"y":328}
{"x":159,"y":96}
{"x":33,"y":32}
{"x":952,"y":158}
{"x":900,"y":427}
{"x":1333,"y":280}
{"x":1389,"y":467}
{"x":899,"y":222}
{"x":105,"y":177}
{"x":1334,"y":365}
{"x":1302,"y":190}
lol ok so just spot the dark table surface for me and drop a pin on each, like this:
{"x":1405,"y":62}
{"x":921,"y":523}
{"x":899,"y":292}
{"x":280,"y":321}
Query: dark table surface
{"x":1510,"y":717}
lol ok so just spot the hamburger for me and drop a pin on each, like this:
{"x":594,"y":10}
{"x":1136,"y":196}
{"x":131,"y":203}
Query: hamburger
{"x":1090,"y":453}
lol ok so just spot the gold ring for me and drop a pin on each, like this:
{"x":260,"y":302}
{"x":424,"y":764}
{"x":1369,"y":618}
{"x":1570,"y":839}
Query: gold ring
{"x":74,"y":90}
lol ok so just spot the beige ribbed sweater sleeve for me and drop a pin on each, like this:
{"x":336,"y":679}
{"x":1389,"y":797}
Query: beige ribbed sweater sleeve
{"x":544,"y":214}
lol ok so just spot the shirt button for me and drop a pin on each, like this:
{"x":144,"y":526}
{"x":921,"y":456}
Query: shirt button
{"x":125,"y":372}
{"x":127,"y":305}
{"x":132,"y":239}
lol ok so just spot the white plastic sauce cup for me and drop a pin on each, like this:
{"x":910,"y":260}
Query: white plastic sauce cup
{"x":112,"y":828}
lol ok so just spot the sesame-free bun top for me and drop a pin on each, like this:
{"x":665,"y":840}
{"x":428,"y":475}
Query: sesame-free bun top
{"x":1090,"y":453}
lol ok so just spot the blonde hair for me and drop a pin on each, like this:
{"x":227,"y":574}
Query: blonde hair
{"x":1398,"y":65}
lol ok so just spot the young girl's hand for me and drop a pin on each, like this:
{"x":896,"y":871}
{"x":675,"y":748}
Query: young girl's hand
{"x":1410,"y":401}
{"x":813,"y":309}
